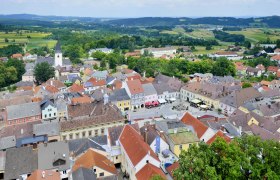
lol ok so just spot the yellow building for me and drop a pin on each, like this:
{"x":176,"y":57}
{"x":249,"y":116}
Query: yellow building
{"x":121,"y":99}
{"x":179,"y":141}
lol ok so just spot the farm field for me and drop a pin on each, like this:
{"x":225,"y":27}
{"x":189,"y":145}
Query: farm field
{"x":37,"y":39}
{"x":256,"y":35}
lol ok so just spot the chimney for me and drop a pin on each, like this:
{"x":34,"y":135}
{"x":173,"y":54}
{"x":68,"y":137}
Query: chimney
{"x":51,"y":82}
{"x":240,"y":130}
{"x":146,"y":135}
{"x":21,"y":131}
{"x":43,"y":174}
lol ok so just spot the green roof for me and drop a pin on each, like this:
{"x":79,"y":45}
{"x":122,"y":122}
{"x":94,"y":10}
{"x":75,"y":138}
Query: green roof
{"x":183,"y":138}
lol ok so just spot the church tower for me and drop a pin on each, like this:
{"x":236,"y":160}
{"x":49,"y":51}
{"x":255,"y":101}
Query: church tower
{"x":58,"y":56}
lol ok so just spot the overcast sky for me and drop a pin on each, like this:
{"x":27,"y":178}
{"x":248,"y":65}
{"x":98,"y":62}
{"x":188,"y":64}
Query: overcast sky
{"x":142,"y":8}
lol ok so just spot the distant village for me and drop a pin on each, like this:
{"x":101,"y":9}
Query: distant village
{"x":124,"y":125}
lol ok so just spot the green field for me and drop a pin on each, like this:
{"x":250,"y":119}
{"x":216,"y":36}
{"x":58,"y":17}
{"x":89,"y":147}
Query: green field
{"x":37,"y":39}
{"x":256,"y":35}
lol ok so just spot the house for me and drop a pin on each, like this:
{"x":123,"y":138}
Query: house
{"x":135,"y":91}
{"x":135,"y":53}
{"x":96,"y":162}
{"x":272,"y":69}
{"x":100,"y":75}
{"x":23,"y":113}
{"x":250,"y":71}
{"x":275,"y":84}
{"x":167,"y":88}
{"x":227,"y":54}
{"x":44,"y":175}
{"x":149,"y":171}
{"x":51,"y":130}
{"x":61,"y":105}
{"x":268,"y":46}
{"x":158,"y":52}
{"x":83,"y":174}
{"x":17,"y":56}
{"x":151,"y":97}
{"x":237,"y":98}
{"x":136,"y":154}
{"x":153,"y":139}
{"x":86,"y":120}
{"x":240,"y":67}
{"x":277,"y":51}
{"x":121,"y":99}
{"x":54,"y":156}
{"x":28,"y":76}
{"x":78,"y":147}
{"x":30,"y":57}
{"x":76,"y":88}
{"x":261,"y":67}
{"x":20,"y":163}
{"x":104,"y":50}
{"x":178,"y":135}
{"x":57,"y":84}
{"x":93,"y":84}
{"x":49,"y":110}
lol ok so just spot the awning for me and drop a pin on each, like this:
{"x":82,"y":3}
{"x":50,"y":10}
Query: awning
{"x":161,"y":101}
{"x":196,"y":101}
{"x":204,"y":106}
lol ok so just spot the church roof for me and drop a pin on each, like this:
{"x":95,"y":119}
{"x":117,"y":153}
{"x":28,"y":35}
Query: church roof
{"x":57,"y":48}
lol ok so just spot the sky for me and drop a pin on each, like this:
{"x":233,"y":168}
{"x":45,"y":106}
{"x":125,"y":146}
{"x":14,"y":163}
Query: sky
{"x":142,"y":8}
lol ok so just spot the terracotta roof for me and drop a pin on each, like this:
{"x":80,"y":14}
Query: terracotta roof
{"x":276,"y":57}
{"x":88,"y":72}
{"x":51,"y":89}
{"x":265,"y":83}
{"x":81,"y":100}
{"x":127,"y":71}
{"x":134,"y":145}
{"x":117,"y":84}
{"x":48,"y":175}
{"x":92,"y":159}
{"x":17,"y":56}
{"x":218,"y":134}
{"x":135,"y":86}
{"x":272,"y":68}
{"x":96,"y":82}
{"x":134,"y":77}
{"x":56,"y":83}
{"x":135,"y":53}
{"x":76,"y":88}
{"x":278,"y":74}
{"x":148,"y":171}
{"x":226,"y":53}
{"x":172,"y":168}
{"x":198,"y":126}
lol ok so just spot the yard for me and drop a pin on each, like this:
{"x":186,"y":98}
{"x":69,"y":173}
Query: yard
{"x":37,"y":39}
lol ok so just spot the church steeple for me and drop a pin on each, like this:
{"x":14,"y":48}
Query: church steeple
{"x":58,"y":55}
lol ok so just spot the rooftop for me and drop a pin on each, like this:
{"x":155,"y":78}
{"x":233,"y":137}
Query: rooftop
{"x":183,"y":137}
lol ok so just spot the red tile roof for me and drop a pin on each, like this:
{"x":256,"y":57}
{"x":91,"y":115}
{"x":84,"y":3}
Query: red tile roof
{"x":134,"y":77}
{"x":76,"y":88}
{"x":96,"y":82}
{"x":81,"y":100}
{"x":49,"y":175}
{"x":91,"y":159}
{"x":51,"y":89}
{"x":218,"y":134}
{"x":172,"y":168}
{"x":148,"y":171}
{"x":276,"y":57}
{"x":198,"y":126}
{"x":272,"y":68}
{"x":56,"y":83}
{"x":134,"y":145}
{"x":17,"y":56}
{"x":135,"y":86}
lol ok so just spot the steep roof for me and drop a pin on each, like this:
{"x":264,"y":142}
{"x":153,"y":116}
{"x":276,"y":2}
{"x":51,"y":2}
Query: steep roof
{"x":134,"y":145}
{"x":276,"y":57}
{"x":76,"y":88}
{"x":23,"y":110}
{"x":91,"y":159}
{"x":149,"y":89}
{"x":115,"y":132}
{"x":172,"y":168}
{"x":218,"y":134}
{"x":119,"y":95}
{"x":83,"y":174}
{"x":135,"y":86}
{"x":148,"y":171}
{"x":198,"y":126}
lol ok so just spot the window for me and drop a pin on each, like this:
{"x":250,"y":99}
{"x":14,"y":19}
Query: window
{"x":117,"y":157}
{"x":64,"y":172}
{"x":84,"y":134}
{"x":147,"y":161}
{"x":101,"y":174}
{"x":96,"y":132}
{"x":50,"y":115}
{"x":70,"y":136}
{"x":77,"y":135}
{"x":89,"y":133}
{"x":102,"y":131}
{"x":54,"y":114}
{"x":94,"y":170}
{"x":45,"y":116}
{"x":180,"y":146}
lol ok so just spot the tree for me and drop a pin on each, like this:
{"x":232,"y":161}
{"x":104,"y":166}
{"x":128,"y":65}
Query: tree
{"x":6,"y":40}
{"x":98,"y":55}
{"x":246,"y":85}
{"x":18,"y":64}
{"x":223,"y":67}
{"x":247,"y":157}
{"x":278,"y":43}
{"x":208,"y":47}
{"x":43,"y":72}
{"x":248,"y":44}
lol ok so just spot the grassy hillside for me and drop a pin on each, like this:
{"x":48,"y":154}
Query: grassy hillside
{"x":37,"y":39}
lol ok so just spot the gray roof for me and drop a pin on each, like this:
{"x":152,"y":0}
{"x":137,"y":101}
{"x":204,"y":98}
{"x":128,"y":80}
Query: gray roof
{"x":28,"y":73}
{"x":2,"y":160}
{"x":57,"y":48}
{"x":7,"y":142}
{"x":49,"y":153}
{"x":79,"y":146}
{"x":50,"y":129}
{"x":119,"y":95}
{"x":49,"y":60}
{"x":61,"y":105}
{"x":46,"y":103}
{"x":20,"y":161}
{"x":149,"y":89}
{"x":100,"y":74}
{"x":83,"y":174}
{"x":29,"y":66}
{"x":24,"y":83}
{"x":23,"y":110}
